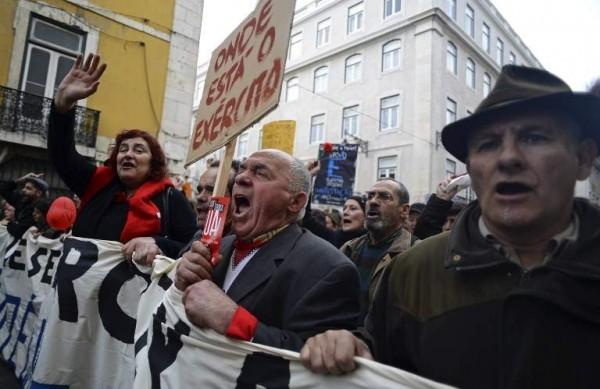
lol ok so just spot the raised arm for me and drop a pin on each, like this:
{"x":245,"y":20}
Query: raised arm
{"x":81,"y":82}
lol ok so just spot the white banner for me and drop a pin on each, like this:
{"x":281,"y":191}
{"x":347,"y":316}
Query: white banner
{"x":26,"y":277}
{"x":172,"y":353}
{"x":91,"y":317}
{"x":95,"y":304}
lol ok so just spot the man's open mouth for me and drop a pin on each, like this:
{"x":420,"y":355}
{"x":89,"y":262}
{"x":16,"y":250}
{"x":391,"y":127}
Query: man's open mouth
{"x":512,"y":188}
{"x":241,"y":203}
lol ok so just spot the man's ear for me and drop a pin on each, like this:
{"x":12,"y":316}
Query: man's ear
{"x":297,"y":202}
{"x":587,"y":150}
{"x":404,"y":211}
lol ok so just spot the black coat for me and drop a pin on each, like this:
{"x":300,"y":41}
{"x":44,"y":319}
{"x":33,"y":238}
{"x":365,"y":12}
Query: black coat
{"x":23,"y":209}
{"x":102,"y":218}
{"x":297,"y":286}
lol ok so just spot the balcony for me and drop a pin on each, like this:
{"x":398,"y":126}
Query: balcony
{"x":24,"y":119}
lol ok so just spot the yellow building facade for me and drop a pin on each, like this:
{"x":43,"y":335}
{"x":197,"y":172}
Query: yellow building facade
{"x":150,"y":47}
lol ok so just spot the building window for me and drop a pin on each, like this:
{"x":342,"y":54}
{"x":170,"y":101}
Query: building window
{"x":320,"y":81}
{"x":512,"y":58}
{"x":50,"y":54}
{"x":355,"y":17}
{"x":386,"y":167}
{"x":391,"y":7}
{"x":499,"y":52}
{"x":450,"y":167}
{"x":452,"y":8}
{"x":485,"y":37}
{"x":390,"y":57}
{"x":350,"y":121}
{"x":292,"y":88}
{"x":323,"y":32}
{"x":353,"y":68}
{"x":451,"y":58}
{"x":295,"y":46}
{"x":450,"y":110}
{"x":389,"y":113}
{"x":242,"y":145}
{"x":470,"y":73}
{"x":487,"y":84}
{"x":317,"y":128}
{"x":470,"y":21}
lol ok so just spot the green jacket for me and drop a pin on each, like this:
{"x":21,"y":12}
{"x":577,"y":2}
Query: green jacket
{"x":455,"y":310}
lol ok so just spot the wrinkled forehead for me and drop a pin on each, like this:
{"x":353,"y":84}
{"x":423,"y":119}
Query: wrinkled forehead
{"x":554,"y":122}
{"x":270,"y":159}
{"x":385,"y":186}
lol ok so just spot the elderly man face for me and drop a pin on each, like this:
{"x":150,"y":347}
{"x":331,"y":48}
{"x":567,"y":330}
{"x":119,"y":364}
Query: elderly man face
{"x":205,"y":188}
{"x":263,"y":196}
{"x":524,"y":167}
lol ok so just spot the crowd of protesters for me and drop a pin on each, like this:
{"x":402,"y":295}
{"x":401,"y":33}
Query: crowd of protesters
{"x":501,"y":292}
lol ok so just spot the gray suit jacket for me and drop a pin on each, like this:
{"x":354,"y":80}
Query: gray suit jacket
{"x":297,"y":286}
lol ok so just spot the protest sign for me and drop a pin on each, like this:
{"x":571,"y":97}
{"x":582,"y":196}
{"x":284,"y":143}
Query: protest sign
{"x":335,"y":181}
{"x":243,"y":81}
{"x":173,"y":353}
{"x":279,"y":135}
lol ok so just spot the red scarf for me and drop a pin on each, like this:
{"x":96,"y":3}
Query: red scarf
{"x":143,"y":217}
{"x":243,"y":249}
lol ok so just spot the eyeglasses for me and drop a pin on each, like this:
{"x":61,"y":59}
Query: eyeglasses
{"x":384,"y":196}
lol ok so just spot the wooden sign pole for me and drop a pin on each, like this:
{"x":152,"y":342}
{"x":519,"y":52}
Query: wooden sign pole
{"x":225,"y":168}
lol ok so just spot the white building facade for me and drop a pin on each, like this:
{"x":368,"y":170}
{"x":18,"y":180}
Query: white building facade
{"x":389,"y":74}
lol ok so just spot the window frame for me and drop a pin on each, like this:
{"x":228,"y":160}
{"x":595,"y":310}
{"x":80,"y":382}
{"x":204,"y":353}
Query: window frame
{"x":486,"y":36}
{"x":454,"y":113}
{"x":393,"y":166}
{"x":313,"y":126}
{"x":358,"y":66}
{"x":470,"y":73}
{"x":325,"y":77}
{"x":394,"y":109}
{"x":393,"y":9}
{"x":499,"y":52}
{"x":390,"y":52}
{"x":296,"y":86}
{"x":469,"y":21}
{"x":360,"y":17}
{"x":323,"y":32}
{"x":454,"y":55}
{"x":297,"y":44}
{"x":356,"y":115}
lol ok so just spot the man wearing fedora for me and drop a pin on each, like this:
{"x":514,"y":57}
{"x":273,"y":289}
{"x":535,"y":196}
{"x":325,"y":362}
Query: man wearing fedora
{"x":510,"y":298}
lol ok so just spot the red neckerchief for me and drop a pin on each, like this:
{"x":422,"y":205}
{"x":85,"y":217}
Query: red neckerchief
{"x":143,"y":216}
{"x":243,"y":249}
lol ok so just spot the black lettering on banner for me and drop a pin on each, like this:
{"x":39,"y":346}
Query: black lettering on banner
{"x":12,"y":259}
{"x":116,"y":322}
{"x":86,"y":254}
{"x":8,"y":315}
{"x":163,"y":351}
{"x":35,"y":263}
{"x":266,"y":370}
{"x":47,"y":277}
{"x":165,"y":282}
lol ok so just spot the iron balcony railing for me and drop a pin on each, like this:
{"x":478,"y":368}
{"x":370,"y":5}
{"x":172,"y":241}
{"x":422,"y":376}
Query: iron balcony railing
{"x":28,"y":113}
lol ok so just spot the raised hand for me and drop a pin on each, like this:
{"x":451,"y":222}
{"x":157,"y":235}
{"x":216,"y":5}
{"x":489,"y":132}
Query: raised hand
{"x":81,"y":81}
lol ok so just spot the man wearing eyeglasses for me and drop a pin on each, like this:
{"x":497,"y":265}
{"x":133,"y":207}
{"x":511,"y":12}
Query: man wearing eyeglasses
{"x":387,"y":210}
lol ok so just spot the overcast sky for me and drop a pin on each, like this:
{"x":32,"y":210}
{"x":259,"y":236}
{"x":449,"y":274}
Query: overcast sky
{"x":563,"y":35}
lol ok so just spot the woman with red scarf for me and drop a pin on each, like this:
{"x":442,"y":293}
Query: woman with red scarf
{"x":130,"y":199}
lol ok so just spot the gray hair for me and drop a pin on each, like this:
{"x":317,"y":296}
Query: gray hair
{"x":299,"y":182}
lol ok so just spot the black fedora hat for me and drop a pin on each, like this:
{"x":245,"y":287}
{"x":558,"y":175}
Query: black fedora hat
{"x":519,"y":88}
